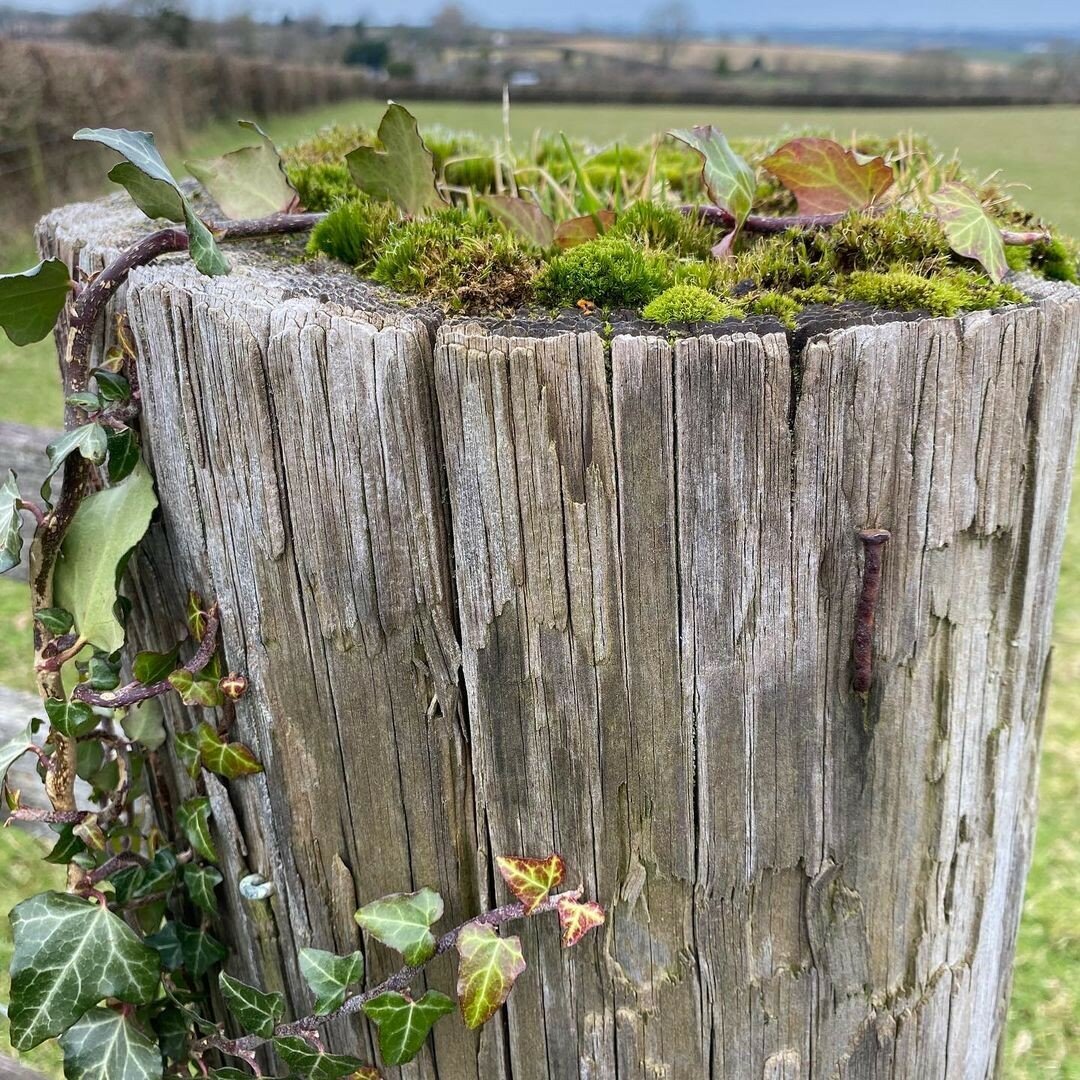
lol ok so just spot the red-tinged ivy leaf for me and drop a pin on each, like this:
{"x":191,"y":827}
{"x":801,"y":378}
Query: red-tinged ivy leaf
{"x":971,"y":231}
{"x":403,"y":921}
{"x":577,"y":918}
{"x":521,"y":217}
{"x":826,"y":178}
{"x":196,"y":689}
{"x":581,"y":230}
{"x":489,"y":967}
{"x":727,"y":178}
{"x":186,"y":746}
{"x":404,"y":171}
{"x":310,"y":1062}
{"x":404,"y":1024}
{"x":194,"y":818}
{"x":227,"y":759}
{"x":531,"y":880}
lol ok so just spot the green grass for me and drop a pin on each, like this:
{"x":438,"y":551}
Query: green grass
{"x":1041,"y":148}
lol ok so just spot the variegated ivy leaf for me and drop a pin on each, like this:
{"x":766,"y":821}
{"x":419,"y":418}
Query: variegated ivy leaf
{"x":312,"y":1063}
{"x":225,"y":758}
{"x":200,"y":882}
{"x":728,"y":179}
{"x":971,"y":231}
{"x":196,"y":689}
{"x":329,"y":976}
{"x":257,"y":1010}
{"x":107,"y":1045}
{"x":200,"y":951}
{"x":521,"y":217}
{"x":403,"y":921}
{"x":577,"y":918}
{"x":69,"y":955}
{"x":827,"y":178}
{"x":186,"y":746}
{"x":486,"y":974}
{"x":403,"y":1023}
{"x":107,"y":525}
{"x":31,"y":301}
{"x":148,"y":190}
{"x":404,"y":171}
{"x":10,"y":524}
{"x":531,"y":880}
{"x":249,"y":182}
{"x":193,"y":817}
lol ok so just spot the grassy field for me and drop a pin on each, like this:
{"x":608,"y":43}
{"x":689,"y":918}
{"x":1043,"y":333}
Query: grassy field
{"x":1039,"y":147}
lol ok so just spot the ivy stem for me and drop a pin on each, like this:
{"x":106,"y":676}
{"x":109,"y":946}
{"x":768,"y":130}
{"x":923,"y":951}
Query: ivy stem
{"x":33,"y":510}
{"x":401,"y":980}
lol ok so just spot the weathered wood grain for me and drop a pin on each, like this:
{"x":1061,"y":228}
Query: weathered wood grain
{"x":509,"y":592}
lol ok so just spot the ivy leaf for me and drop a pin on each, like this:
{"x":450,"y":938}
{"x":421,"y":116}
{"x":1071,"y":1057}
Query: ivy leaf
{"x":971,"y":231}
{"x":403,"y":921}
{"x":196,"y":689}
{"x":145,"y":723}
{"x":111,"y":386}
{"x":123,"y":454}
{"x":66,"y":847}
{"x":329,"y":976}
{"x":489,"y":966}
{"x":827,"y":178}
{"x":402,"y":173}
{"x":137,"y":146}
{"x":10,"y":524}
{"x":200,"y":950}
{"x":106,"y":1045}
{"x":152,"y":667}
{"x":70,"y":718}
{"x":577,"y":918}
{"x":202,"y":247}
{"x":186,"y":745}
{"x":55,"y":619}
{"x":200,"y":882}
{"x":225,"y":758}
{"x":92,"y":442}
{"x":193,"y":817}
{"x":14,"y":748}
{"x":107,"y":525}
{"x":312,"y":1063}
{"x":727,"y":178}
{"x":521,"y":217}
{"x":531,"y":880}
{"x":31,"y":302}
{"x":166,"y":943}
{"x":581,"y":230}
{"x":404,"y":1024}
{"x":256,"y":1010}
{"x":155,"y":198}
{"x":249,"y":182}
{"x":69,"y":954}
{"x":229,"y":1073}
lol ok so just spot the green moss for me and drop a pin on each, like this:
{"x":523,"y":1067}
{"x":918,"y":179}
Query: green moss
{"x":463,"y":261}
{"x":321,"y":185}
{"x":656,"y":226}
{"x":780,"y":305}
{"x":353,"y":232}
{"x":688,"y":304}
{"x":611,"y":272}
{"x":1057,"y":259}
{"x":948,"y":293}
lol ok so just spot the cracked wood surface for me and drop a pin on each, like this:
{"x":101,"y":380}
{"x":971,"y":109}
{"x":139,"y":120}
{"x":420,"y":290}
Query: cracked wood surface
{"x":508,"y":594}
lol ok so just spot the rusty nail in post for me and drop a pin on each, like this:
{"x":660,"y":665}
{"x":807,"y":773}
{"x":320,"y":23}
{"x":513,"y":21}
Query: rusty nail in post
{"x":873,"y":541}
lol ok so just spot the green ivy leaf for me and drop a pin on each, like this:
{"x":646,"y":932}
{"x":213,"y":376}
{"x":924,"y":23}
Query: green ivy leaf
{"x":137,"y":146}
{"x":312,"y":1063}
{"x":202,"y":246}
{"x":69,"y":955}
{"x":106,"y":1045}
{"x":123,"y":454}
{"x":145,"y":723}
{"x":111,"y":386}
{"x":487,"y":972}
{"x":200,"y":882}
{"x":728,"y":179}
{"x":196,"y":689}
{"x":66,"y":847}
{"x":225,"y":758}
{"x":70,"y":718}
{"x":84,"y":400}
{"x":257,"y":1011}
{"x":10,"y":524}
{"x":329,"y":976}
{"x":31,"y":302}
{"x":531,"y":880}
{"x":229,"y":1073}
{"x":827,"y":178}
{"x":521,"y":217}
{"x":166,"y":943}
{"x":107,"y":525}
{"x":153,"y":667}
{"x":404,"y":1024}
{"x":193,"y":817}
{"x":249,"y":182}
{"x":186,"y":745}
{"x":155,"y":198}
{"x":14,"y":748}
{"x":92,"y":442}
{"x":402,"y":173}
{"x":971,"y":231}
{"x":201,"y":951}
{"x":55,"y":619}
{"x":403,"y":922}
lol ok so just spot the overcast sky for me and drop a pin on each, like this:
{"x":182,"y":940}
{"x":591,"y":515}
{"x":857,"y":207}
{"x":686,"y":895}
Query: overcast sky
{"x":710,"y":15}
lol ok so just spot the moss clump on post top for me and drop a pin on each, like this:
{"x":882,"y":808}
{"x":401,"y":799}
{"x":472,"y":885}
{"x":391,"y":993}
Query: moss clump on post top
{"x":689,"y":304}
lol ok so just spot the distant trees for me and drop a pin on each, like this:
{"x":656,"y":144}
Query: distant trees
{"x":669,"y":23}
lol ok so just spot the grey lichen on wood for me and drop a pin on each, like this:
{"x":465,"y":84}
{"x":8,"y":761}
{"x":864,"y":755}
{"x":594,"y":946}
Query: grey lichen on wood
{"x":508,"y":593}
